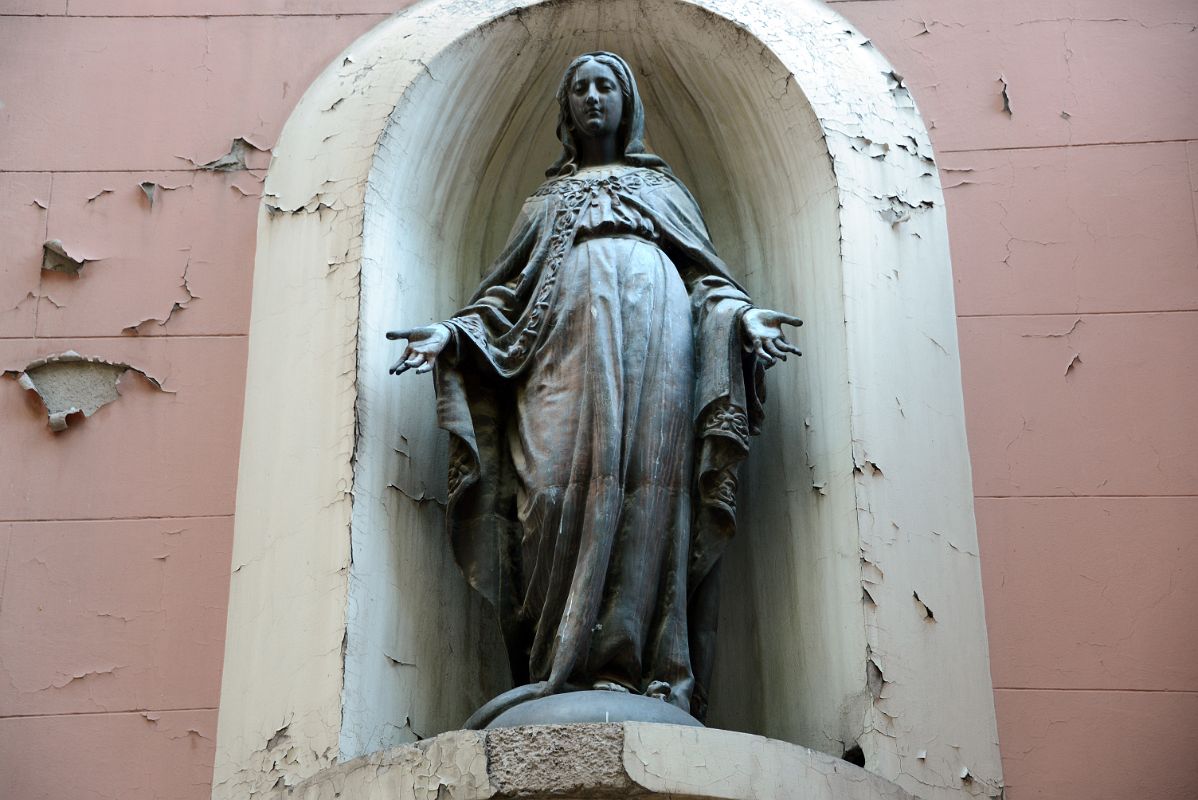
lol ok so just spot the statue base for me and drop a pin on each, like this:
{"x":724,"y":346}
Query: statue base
{"x":592,"y":706}
{"x":630,"y":759}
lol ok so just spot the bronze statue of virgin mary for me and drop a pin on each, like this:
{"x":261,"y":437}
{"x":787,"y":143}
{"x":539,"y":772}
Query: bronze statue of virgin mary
{"x":599,"y":391}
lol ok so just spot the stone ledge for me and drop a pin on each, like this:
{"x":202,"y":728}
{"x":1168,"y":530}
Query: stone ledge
{"x":631,"y":759}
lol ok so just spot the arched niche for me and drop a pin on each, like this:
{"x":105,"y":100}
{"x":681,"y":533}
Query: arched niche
{"x":392,"y":187}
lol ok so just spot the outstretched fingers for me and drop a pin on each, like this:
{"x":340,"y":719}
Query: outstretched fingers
{"x":782,"y":344}
{"x":759,"y":349}
{"x":406,"y":333}
{"x":411,"y":359}
{"x":401,"y":366}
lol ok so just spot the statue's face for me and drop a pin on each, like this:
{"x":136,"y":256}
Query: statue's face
{"x":596,"y":101}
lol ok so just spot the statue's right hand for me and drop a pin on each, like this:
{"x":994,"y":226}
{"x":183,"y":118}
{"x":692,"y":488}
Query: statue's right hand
{"x":424,"y":345}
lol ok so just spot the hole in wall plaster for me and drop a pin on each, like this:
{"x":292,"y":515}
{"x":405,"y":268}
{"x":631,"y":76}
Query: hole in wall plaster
{"x":69,"y":384}
{"x":854,"y":755}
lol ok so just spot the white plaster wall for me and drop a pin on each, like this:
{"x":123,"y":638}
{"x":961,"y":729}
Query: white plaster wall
{"x":392,"y":187}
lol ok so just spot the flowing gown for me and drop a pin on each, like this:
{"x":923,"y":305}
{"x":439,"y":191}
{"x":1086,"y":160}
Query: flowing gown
{"x":599,"y":403}
{"x":604,"y":496}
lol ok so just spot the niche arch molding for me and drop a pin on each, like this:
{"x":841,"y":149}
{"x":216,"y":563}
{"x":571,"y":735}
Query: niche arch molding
{"x":391,"y":187}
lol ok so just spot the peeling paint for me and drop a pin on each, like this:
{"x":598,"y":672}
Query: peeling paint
{"x":885,"y":195}
{"x":56,"y":258}
{"x":1073,"y":364}
{"x":69,"y":383}
{"x":151,"y":189}
{"x":83,"y":676}
{"x":178,"y":305}
{"x":1006,"y":96}
{"x":1077,"y":323}
{"x":241,"y":152}
{"x":923,"y":608}
{"x":899,"y":210}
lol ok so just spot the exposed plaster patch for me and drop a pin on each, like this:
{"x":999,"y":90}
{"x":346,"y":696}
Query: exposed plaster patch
{"x":151,"y":189}
{"x":898,"y":210}
{"x":69,"y":383}
{"x":241,"y":152}
{"x":279,"y":737}
{"x":56,"y":258}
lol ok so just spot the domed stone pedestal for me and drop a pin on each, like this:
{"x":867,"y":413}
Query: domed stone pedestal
{"x":631,"y":759}
{"x":577,"y":707}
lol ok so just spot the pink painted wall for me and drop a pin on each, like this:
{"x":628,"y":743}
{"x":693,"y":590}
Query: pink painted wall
{"x":1075,"y":248}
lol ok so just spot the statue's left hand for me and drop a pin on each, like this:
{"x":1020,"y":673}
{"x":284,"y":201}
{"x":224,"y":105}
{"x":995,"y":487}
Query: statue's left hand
{"x":761,"y":332}
{"x":424,"y":345}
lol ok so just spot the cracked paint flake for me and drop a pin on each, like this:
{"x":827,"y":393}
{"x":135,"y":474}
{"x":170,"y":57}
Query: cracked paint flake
{"x":56,"y":258}
{"x":69,"y":383}
{"x":875,"y":679}
{"x":151,"y":189}
{"x":178,"y":305}
{"x":1077,"y":323}
{"x":83,"y":676}
{"x":243,"y":154}
{"x":923,"y":608}
{"x":1005,"y":93}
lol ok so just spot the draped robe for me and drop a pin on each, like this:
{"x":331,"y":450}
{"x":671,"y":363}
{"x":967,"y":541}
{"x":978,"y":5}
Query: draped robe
{"x":599,"y":402}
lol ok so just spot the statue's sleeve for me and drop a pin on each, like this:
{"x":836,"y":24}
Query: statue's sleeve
{"x":727,"y":375}
{"x":471,"y":407}
{"x":483,"y":325}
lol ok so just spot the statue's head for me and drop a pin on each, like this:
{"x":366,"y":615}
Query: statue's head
{"x":593,"y":95}
{"x":598,"y":97}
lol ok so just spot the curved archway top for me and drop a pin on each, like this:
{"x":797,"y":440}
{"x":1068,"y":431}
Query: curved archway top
{"x":883,"y":270}
{"x":857,"y":96}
